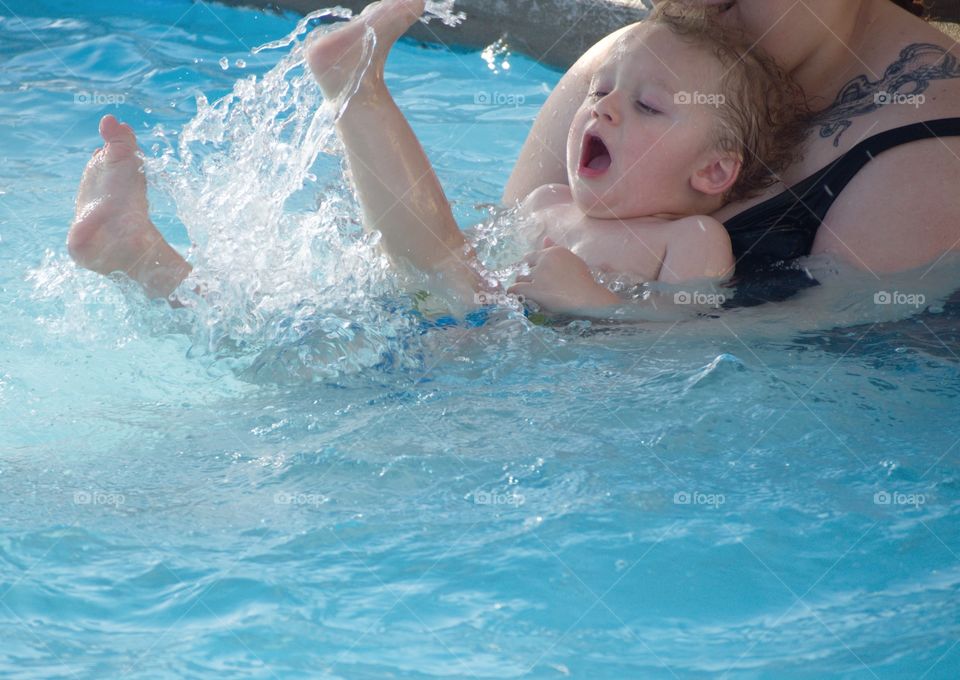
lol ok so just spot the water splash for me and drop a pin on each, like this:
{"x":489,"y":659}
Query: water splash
{"x":500,"y":52}
{"x":435,"y":9}
{"x":281,"y":262}
{"x":443,"y":10}
{"x":286,"y":284}
{"x":304,"y":26}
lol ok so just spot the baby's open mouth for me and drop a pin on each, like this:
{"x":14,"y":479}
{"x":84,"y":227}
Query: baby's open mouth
{"x":595,"y":158}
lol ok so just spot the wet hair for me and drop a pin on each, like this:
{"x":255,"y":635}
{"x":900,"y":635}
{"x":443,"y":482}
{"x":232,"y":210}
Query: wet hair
{"x":763,"y":116}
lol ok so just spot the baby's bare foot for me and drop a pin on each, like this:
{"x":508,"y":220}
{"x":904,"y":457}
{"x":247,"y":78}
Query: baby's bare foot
{"x":334,"y":57}
{"x":112,"y":231}
{"x":112,"y":228}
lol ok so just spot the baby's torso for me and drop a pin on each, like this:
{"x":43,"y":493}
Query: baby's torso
{"x":635,"y":249}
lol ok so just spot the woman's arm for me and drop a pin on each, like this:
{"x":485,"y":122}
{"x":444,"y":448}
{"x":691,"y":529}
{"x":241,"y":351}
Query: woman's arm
{"x":543,"y":159}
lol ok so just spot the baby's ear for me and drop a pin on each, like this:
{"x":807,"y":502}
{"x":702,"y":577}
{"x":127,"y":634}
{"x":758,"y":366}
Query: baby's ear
{"x":717,"y":174}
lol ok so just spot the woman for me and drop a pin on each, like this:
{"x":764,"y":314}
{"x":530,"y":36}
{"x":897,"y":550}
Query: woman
{"x":875,"y":188}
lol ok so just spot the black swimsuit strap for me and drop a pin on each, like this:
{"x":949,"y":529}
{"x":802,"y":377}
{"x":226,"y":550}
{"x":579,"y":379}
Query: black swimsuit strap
{"x":802,"y":207}
{"x":783,"y":227}
{"x":837,"y":175}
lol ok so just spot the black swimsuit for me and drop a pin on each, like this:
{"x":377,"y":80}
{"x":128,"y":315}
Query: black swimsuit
{"x":782,"y":228}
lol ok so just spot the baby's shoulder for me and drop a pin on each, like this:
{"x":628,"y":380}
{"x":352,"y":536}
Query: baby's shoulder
{"x":694,"y":224}
{"x":546,"y":196}
{"x":698,"y":229}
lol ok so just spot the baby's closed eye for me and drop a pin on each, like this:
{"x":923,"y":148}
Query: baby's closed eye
{"x":647,"y":108}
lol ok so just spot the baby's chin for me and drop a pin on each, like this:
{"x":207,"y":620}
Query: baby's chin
{"x":596,"y":208}
{"x":613,"y":215}
{"x":588,"y":208}
{"x":599,"y":212}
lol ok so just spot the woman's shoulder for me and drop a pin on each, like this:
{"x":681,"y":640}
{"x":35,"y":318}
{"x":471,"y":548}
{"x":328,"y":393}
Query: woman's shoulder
{"x":899,"y":211}
{"x":914,"y":78}
{"x":877,"y":169}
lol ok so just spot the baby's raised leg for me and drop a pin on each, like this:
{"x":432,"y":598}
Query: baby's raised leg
{"x":112,"y":231}
{"x":399,"y":192}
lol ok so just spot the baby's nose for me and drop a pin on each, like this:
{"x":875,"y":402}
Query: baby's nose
{"x":608,"y":108}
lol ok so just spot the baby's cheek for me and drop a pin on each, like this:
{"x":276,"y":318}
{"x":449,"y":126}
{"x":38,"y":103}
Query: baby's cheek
{"x":573,"y":143}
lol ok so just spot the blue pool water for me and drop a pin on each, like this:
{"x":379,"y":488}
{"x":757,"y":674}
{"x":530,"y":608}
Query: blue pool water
{"x":249,"y":487}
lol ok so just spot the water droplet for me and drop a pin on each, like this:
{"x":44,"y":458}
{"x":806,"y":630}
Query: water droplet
{"x":240,"y":63}
{"x":224,"y":63}
{"x":495,"y":51}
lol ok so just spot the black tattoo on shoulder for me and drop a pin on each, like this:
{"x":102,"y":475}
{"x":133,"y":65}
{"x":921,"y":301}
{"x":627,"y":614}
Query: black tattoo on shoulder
{"x":905,"y":79}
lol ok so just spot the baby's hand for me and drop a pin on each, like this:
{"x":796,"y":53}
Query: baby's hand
{"x":561,"y":282}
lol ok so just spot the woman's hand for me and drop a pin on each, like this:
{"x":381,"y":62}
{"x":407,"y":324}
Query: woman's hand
{"x":560,"y":282}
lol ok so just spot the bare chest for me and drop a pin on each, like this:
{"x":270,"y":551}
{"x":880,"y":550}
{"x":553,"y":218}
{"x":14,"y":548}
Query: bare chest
{"x":633,"y":248}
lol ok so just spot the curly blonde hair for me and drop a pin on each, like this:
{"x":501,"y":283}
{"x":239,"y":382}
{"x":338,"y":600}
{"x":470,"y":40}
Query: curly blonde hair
{"x":763,"y":117}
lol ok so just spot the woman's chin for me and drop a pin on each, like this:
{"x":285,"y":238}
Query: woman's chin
{"x":722,"y":12}
{"x":721,"y":7}
{"x":731,"y":17}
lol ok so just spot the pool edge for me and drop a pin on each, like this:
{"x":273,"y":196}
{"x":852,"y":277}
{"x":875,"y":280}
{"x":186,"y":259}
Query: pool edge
{"x":553,"y":32}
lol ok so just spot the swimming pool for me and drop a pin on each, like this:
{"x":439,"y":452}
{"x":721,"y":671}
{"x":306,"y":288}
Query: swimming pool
{"x":290,"y":481}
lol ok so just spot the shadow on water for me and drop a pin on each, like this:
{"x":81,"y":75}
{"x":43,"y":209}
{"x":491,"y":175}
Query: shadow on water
{"x":934,"y":334}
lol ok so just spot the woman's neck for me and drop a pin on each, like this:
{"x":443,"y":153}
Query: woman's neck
{"x":844,"y":51}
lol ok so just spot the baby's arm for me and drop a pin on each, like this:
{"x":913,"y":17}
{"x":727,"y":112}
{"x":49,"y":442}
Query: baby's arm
{"x":697,"y":249}
{"x":561,"y":282}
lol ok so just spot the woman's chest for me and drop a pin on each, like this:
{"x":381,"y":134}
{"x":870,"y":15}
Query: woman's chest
{"x":840,"y":130}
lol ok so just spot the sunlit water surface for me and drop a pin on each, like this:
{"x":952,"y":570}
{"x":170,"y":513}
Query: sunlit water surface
{"x":288,"y":478}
